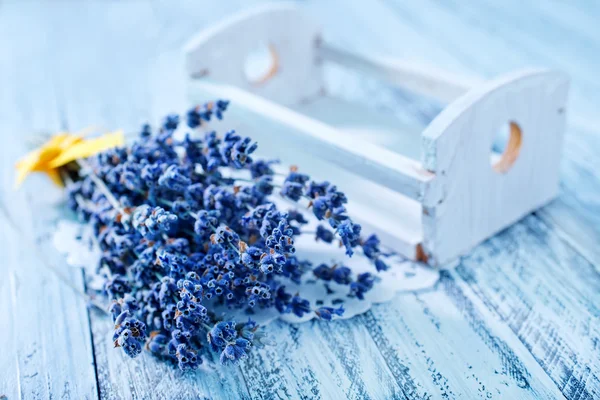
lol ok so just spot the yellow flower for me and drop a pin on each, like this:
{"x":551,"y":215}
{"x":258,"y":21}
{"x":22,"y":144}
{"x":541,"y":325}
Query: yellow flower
{"x":61,"y":149}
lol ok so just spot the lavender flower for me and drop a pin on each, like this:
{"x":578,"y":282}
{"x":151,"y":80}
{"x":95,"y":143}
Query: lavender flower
{"x":261,"y":168}
{"x":180,"y":240}
{"x":130,"y":334}
{"x":324,"y":234}
{"x":171,"y":122}
{"x":187,"y":358}
{"x":235,"y":351}
{"x":327,"y":313}
{"x":363,"y":284}
{"x":350,"y":235}
{"x":298,"y":306}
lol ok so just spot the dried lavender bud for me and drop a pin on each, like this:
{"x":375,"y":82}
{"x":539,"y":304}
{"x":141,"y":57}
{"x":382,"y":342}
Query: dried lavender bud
{"x":324,"y":234}
{"x":327,"y":313}
{"x":130,"y":335}
{"x":363,"y":284}
{"x":299,"y":306}
{"x":170,"y":122}
{"x":235,"y":351}
{"x":350,"y":235}
{"x":261,"y":168}
{"x":342,"y":275}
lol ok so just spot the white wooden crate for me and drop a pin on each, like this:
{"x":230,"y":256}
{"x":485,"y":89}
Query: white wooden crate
{"x":431,"y":196}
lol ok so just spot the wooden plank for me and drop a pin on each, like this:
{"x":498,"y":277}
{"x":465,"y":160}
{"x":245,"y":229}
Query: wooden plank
{"x":336,"y":360}
{"x":50,"y":321}
{"x":9,"y":384}
{"x":49,"y":324}
{"x":544,"y":40}
{"x":576,"y":212}
{"x":457,"y":350}
{"x":420,"y":78}
{"x":547,"y":293}
{"x":49,"y":349}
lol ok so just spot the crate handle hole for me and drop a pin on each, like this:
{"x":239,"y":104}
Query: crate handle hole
{"x":506,"y":147}
{"x":261,"y":64}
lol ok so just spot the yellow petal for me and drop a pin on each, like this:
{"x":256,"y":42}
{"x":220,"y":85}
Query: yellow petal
{"x":86,"y":148}
{"x":55,"y":176}
{"x":24,"y":169}
{"x":47,"y":154}
{"x":68,"y":141}
{"x":61,"y":149}
{"x":29,"y":160}
{"x":37,"y":160}
{"x":54,"y":145}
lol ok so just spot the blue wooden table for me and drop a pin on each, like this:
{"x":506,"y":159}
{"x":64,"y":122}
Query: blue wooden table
{"x":519,"y":317}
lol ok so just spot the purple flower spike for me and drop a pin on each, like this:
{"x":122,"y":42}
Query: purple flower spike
{"x":189,"y":227}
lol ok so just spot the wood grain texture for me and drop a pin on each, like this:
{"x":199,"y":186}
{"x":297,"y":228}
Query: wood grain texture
{"x":518,"y":318}
{"x":48,"y":348}
{"x":549,"y":299}
{"x":575,"y":212}
{"x":318,"y":360}
{"x":9,"y":384}
{"x":422,"y":339}
{"x":572,"y":216}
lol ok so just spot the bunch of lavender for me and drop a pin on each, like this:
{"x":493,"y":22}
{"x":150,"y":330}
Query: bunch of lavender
{"x":181,"y":241}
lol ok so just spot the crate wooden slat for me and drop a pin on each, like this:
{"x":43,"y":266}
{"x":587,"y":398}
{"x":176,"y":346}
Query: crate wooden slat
{"x":462,"y":197}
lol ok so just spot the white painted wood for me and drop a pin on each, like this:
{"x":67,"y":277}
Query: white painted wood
{"x":469,"y":201}
{"x":420,"y":78}
{"x":220,"y":52}
{"x":368,"y":124}
{"x":385,"y":167}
